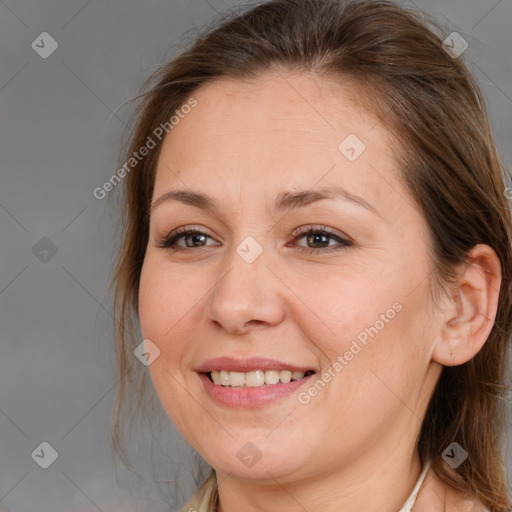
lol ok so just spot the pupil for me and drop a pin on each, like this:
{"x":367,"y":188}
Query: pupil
{"x":194,"y":238}
{"x":314,"y":236}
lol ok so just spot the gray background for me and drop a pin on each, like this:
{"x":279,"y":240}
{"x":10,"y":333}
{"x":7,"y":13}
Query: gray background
{"x":59,"y":141}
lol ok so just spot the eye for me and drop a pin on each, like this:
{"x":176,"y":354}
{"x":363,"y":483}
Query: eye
{"x":194,"y":238}
{"x":318,"y":235}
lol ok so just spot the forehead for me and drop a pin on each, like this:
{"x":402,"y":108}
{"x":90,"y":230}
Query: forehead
{"x":280,"y":131}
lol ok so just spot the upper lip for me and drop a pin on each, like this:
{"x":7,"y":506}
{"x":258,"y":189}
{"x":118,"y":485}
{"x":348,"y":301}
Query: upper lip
{"x":248,"y":365}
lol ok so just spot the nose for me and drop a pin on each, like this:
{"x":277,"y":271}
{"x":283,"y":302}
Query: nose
{"x":247,"y":294}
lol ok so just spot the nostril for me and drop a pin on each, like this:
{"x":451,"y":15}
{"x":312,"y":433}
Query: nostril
{"x":255,"y":322}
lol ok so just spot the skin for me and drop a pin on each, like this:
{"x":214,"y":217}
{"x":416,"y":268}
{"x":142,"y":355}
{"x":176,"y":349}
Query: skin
{"x":352,"y":447}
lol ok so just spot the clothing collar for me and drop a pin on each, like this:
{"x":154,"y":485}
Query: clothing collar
{"x":205,"y":498}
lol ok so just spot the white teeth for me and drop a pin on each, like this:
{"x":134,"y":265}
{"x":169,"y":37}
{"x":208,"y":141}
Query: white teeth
{"x":285,"y":376}
{"x":271,"y":377}
{"x":255,"y":378}
{"x":224,"y":378}
{"x":236,"y":379}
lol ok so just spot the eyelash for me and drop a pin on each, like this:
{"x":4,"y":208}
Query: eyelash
{"x":169,"y":241}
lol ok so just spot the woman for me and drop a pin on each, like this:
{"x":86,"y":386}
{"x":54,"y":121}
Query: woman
{"x":317,"y":246}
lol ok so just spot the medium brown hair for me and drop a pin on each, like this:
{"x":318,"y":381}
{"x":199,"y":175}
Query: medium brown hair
{"x":434,"y":110}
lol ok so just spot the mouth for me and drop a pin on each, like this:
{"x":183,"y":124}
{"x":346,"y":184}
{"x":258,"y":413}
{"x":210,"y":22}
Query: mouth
{"x":252,"y":382}
{"x":256,"y":378}
{"x":253,"y":389}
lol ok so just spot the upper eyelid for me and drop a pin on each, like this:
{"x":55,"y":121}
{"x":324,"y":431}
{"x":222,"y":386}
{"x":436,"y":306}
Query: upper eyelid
{"x":300,"y":230}
{"x":297,"y":233}
{"x":304,"y":229}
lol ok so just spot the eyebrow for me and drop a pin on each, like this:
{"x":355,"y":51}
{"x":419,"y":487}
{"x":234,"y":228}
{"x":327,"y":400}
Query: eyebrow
{"x":284,"y":201}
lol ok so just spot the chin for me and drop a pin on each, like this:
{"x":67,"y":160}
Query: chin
{"x":251,"y":462}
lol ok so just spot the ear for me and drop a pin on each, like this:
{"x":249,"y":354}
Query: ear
{"x":469,"y":315}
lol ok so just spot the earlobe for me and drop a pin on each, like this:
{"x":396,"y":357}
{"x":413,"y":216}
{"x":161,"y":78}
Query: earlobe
{"x":470,"y":313}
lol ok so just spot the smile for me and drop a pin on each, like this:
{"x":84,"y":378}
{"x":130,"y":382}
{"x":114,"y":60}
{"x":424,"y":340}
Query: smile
{"x":255,"y":378}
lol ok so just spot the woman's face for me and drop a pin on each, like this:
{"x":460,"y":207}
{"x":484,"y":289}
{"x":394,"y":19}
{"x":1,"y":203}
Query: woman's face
{"x":349,"y":300}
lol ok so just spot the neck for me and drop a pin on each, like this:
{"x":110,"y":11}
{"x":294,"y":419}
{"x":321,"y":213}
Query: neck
{"x":381,"y":483}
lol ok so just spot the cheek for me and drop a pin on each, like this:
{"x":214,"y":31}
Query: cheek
{"x":332,"y":309}
{"x":346,"y":308}
{"x":169,"y":303}
{"x":168,"y":310}
{"x":366,"y":327}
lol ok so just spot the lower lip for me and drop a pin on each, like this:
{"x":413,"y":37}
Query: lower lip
{"x":244,"y":397}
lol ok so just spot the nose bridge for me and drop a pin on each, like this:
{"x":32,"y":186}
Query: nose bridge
{"x":246,"y":292}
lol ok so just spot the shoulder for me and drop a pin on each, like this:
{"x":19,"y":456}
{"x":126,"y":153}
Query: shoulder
{"x":203,"y":498}
{"x":459,"y":503}
{"x":435,"y":495}
{"x":196,"y":503}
